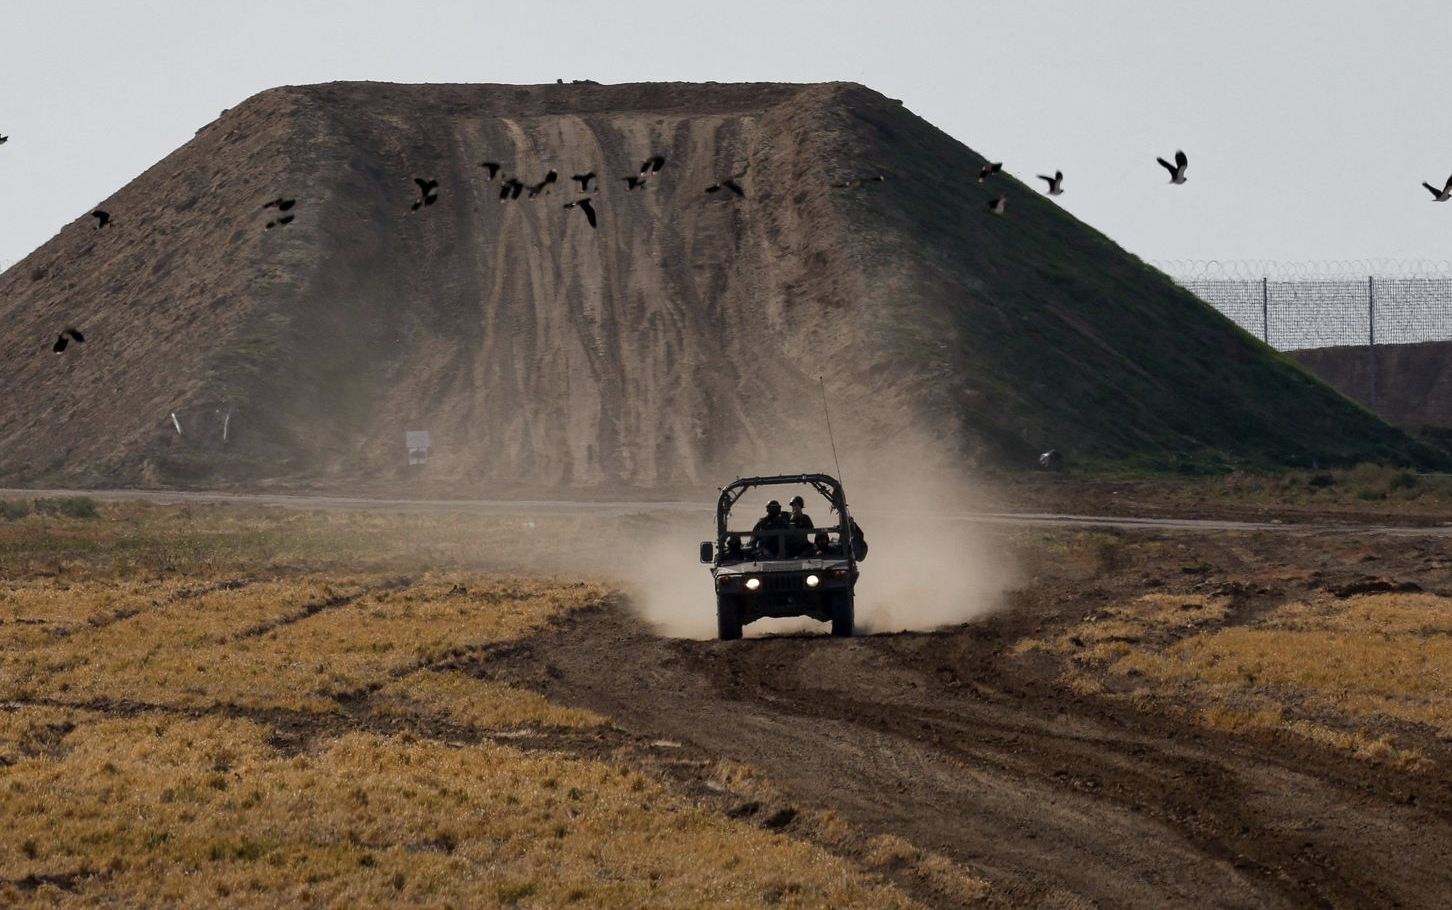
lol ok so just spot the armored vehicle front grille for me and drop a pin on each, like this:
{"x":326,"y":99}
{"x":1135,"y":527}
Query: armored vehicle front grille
{"x":783,"y":583}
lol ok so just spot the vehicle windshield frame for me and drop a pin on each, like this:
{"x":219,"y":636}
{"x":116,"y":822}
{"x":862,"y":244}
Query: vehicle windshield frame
{"x":826,"y":485}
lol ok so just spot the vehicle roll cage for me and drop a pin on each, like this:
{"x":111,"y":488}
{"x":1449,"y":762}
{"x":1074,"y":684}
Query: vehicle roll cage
{"x":825,"y":484}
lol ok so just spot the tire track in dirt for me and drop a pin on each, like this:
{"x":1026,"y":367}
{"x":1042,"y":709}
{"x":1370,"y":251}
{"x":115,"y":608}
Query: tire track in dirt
{"x":1043,"y":791}
{"x":61,"y":629}
{"x":314,"y":607}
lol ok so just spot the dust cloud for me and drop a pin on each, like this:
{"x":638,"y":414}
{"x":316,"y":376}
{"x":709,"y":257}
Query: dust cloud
{"x":927,"y":566}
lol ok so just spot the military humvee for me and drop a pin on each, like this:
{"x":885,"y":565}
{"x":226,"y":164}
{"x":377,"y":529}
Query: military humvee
{"x":778,"y":573}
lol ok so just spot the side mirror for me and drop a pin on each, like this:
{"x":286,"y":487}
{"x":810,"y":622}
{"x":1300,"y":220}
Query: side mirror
{"x":706,"y":551}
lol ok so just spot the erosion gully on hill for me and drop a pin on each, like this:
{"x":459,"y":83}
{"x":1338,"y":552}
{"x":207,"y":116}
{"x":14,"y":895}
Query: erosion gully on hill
{"x":965,"y":746}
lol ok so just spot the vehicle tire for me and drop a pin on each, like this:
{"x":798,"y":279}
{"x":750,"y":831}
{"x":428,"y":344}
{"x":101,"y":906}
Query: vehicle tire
{"x":842,"y":615}
{"x":728,"y":618}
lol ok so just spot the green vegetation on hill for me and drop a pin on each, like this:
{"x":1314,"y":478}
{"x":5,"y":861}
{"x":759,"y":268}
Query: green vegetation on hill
{"x":1045,"y":334}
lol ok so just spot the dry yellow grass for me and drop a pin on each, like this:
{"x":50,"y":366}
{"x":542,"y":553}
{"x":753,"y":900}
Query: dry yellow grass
{"x":1364,"y":660}
{"x":129,"y":647}
{"x":463,"y":700}
{"x":295,"y":643}
{"x":180,"y":812}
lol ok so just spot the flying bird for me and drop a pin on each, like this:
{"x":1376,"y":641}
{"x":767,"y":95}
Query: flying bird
{"x":510,"y":189}
{"x":429,"y":190}
{"x":728,"y":184}
{"x":652,"y":164}
{"x":633,"y":183}
{"x":538,"y":187}
{"x":1441,"y":195}
{"x":4,"y":139}
{"x":989,"y":168}
{"x":584,"y":206}
{"x":280,"y":204}
{"x":1056,"y":183}
{"x":588,"y":183}
{"x":1177,"y":170}
{"x":102,"y":217}
{"x":491,"y":166}
{"x":996,"y":206}
{"x":62,"y":340}
{"x":287,"y":219}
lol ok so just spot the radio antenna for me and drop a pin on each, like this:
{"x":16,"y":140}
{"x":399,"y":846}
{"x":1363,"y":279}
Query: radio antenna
{"x":823,"y":386}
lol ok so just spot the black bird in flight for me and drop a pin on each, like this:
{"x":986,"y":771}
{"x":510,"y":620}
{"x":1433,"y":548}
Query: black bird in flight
{"x":633,"y":183}
{"x":728,"y":184}
{"x":989,"y":168}
{"x":1177,"y":170}
{"x":4,"y":139}
{"x":584,"y":206}
{"x":429,"y":190}
{"x":281,"y":204}
{"x":1055,"y":183}
{"x":549,"y":178}
{"x":996,"y":206}
{"x":1441,"y":195}
{"x":652,"y":164}
{"x":287,"y":219}
{"x":588,"y":183}
{"x":102,"y":217}
{"x":857,"y":183}
{"x":510,"y":189}
{"x":491,"y":166}
{"x":61,"y":340}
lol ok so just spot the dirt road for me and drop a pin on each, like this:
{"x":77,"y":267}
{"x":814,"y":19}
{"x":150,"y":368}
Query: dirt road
{"x":962,"y":745}
{"x":1315,"y":522}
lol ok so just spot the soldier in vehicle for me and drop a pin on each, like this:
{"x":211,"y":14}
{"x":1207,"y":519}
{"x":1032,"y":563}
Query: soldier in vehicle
{"x":733,"y":549}
{"x":801,"y":522}
{"x":823,"y":546}
{"x":768,"y":545}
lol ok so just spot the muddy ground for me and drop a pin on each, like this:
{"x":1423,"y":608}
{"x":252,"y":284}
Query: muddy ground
{"x":961,"y":744}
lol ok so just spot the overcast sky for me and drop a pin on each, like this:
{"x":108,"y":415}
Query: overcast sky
{"x":1310,"y":126}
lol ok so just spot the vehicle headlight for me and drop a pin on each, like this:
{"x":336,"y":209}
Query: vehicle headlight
{"x":753,"y":583}
{"x":813,"y":581}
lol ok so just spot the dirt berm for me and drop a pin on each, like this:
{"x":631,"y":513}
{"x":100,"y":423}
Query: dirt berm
{"x":677,"y":342}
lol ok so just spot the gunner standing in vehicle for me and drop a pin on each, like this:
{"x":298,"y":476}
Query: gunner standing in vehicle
{"x":801,"y":522}
{"x":771,"y":546}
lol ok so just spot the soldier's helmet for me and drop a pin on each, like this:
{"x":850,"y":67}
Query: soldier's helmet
{"x":773,"y":507}
{"x":797,"y":501}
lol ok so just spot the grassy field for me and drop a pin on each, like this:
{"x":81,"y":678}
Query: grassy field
{"x":1352,"y":671}
{"x":250,"y":707}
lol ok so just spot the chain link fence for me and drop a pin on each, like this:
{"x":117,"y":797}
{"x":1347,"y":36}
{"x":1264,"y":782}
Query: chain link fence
{"x":1294,"y":306}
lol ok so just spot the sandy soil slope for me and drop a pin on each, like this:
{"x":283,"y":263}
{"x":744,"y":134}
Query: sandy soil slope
{"x":963,"y":744}
{"x":684,"y":337}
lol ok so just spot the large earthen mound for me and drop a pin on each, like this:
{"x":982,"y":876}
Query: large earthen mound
{"x":687,"y":338}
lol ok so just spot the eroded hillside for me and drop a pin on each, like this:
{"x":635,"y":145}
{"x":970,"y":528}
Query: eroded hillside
{"x":676,"y":342}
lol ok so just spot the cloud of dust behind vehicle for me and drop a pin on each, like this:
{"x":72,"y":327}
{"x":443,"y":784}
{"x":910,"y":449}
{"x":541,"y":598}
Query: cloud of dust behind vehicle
{"x":925,"y":568}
